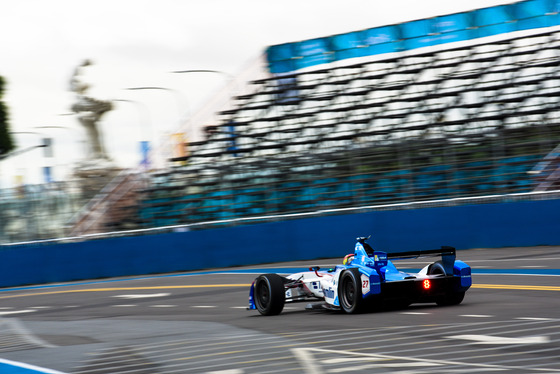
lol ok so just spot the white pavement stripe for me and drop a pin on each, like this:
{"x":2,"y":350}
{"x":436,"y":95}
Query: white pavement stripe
{"x":535,"y":319}
{"x":372,"y":366}
{"x":17,"y":312}
{"x":331,"y":361}
{"x":533,"y":266}
{"x":487,"y":367}
{"x":163,"y":306}
{"x":18,"y":327}
{"x":487,"y":339}
{"x":307,"y":360}
{"x":142,"y":296}
{"x":476,"y":315}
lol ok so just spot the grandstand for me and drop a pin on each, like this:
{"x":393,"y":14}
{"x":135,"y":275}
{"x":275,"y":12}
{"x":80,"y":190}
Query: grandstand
{"x":469,"y":120}
{"x":445,"y":123}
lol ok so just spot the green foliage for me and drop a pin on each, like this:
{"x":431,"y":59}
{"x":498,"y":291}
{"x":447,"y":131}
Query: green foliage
{"x":6,"y":142}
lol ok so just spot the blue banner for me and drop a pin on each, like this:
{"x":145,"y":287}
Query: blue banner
{"x":494,"y":21}
{"x":384,"y":39}
{"x":313,"y":52}
{"x":348,"y":45}
{"x":145,"y":154}
{"x":523,"y":15}
{"x":534,"y":14}
{"x":47,"y":174}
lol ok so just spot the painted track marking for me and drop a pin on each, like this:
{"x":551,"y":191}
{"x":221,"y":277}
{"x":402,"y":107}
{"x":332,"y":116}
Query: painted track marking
{"x":142,"y":296}
{"x":240,"y":285}
{"x":20,"y":367}
{"x":17,"y":312}
{"x":516,"y":287}
{"x":308,"y":359}
{"x":126,"y":289}
{"x":487,"y":339}
{"x":476,"y":315}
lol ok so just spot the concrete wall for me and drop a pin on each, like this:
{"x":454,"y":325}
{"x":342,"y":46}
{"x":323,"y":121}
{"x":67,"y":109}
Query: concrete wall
{"x":516,"y":224}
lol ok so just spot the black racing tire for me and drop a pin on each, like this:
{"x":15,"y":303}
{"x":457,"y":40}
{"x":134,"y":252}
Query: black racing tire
{"x":269,"y":294}
{"x":350,"y":291}
{"x":450,"y":298}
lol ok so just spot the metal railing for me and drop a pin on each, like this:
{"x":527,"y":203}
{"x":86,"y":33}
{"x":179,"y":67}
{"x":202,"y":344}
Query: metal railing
{"x":490,"y":199}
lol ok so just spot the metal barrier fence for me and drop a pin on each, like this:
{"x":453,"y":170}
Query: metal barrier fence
{"x":475,"y":200}
{"x":34,"y":212}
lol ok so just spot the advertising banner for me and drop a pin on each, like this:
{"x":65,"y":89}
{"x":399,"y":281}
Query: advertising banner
{"x":479,"y":23}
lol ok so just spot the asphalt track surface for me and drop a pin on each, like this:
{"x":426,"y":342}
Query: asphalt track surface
{"x":197,"y":322}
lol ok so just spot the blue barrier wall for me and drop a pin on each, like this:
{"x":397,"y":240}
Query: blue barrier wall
{"x":514,"y":224}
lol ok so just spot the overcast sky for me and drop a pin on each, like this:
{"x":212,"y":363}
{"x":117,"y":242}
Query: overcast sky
{"x":136,"y":43}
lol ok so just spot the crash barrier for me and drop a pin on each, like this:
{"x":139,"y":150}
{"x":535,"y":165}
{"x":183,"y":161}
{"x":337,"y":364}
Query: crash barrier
{"x":479,"y":23}
{"x":490,"y":225}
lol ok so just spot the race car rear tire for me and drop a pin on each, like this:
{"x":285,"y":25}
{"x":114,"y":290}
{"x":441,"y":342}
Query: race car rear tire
{"x":270,"y":295}
{"x":436,"y":268}
{"x":350,"y":291}
{"x":450,"y":298}
{"x":453,"y":298}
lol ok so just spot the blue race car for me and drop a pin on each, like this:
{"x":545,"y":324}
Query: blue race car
{"x":366,"y":278}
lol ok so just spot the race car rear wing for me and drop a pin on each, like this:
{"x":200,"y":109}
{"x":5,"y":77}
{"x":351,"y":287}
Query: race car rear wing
{"x":443,"y":251}
{"x":447,"y":256}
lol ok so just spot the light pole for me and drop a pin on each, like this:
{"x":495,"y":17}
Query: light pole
{"x":180,"y":99}
{"x":143,"y":113}
{"x":229,"y":76}
{"x":218,"y":102}
{"x":27,"y":149}
{"x":55,"y":127}
{"x":203,"y":71}
{"x":24,"y":150}
{"x":69,"y":160}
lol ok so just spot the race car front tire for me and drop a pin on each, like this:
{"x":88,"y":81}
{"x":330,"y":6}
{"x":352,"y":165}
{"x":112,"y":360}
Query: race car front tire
{"x":269,"y":294}
{"x":350,"y":291}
